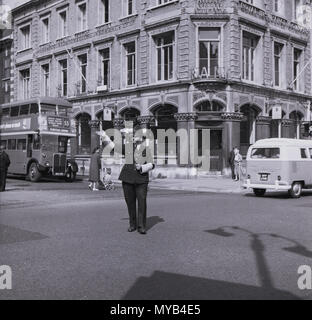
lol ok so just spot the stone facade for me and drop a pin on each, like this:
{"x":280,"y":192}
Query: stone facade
{"x":234,"y":100}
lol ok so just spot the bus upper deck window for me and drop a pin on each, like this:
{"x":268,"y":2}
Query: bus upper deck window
{"x":34,"y":109}
{"x":48,"y":109}
{"x":15,"y":111}
{"x":24,"y":110}
{"x":62,"y":111}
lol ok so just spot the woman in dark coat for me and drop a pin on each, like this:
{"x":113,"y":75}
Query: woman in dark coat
{"x":95,"y":166}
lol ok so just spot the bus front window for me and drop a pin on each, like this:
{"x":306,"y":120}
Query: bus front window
{"x":62,"y":144}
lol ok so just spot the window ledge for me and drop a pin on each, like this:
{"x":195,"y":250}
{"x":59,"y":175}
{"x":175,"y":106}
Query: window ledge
{"x":103,"y":24}
{"x":129,"y":16}
{"x":45,"y":43}
{"x":62,"y":38}
{"x":78,"y":33}
{"x":165,"y":81}
{"x":23,"y":50}
{"x":162,"y":5}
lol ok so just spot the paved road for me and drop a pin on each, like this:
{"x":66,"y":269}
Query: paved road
{"x":65,"y":242}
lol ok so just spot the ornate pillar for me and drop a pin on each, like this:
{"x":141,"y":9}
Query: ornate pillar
{"x":145,"y":122}
{"x":263,"y":127}
{"x":119,"y":123}
{"x":95,"y":139}
{"x":286,"y":125}
{"x":185,"y":121}
{"x":231,"y":134}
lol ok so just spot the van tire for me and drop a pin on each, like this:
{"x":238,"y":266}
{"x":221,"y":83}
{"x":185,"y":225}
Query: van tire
{"x":296,"y":190}
{"x":34,"y":174}
{"x":259,"y":192}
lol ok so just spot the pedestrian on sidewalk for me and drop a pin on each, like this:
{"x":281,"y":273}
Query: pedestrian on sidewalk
{"x":95,"y":166}
{"x":237,"y":163}
{"x":4,"y":165}
{"x":232,"y":162}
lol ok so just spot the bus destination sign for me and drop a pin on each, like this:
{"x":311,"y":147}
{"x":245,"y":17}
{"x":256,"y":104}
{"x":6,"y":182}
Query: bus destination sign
{"x":58,"y":124}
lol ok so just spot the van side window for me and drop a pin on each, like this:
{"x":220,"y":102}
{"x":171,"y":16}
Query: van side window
{"x":304,"y":154}
{"x":311,"y":153}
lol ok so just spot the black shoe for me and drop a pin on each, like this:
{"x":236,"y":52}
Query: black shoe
{"x":131,"y":229}
{"x":142,"y":231}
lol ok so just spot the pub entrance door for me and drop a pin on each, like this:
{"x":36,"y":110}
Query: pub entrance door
{"x":216,"y":153}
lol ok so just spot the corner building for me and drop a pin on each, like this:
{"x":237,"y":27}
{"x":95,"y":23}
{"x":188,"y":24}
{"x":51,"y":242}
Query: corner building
{"x":205,"y":64}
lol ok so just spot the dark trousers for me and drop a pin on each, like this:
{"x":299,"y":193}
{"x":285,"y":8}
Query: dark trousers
{"x":3,"y":175}
{"x":233,"y":170}
{"x":136,"y":193}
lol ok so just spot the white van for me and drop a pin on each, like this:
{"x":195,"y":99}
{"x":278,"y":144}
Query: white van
{"x":279,"y":164}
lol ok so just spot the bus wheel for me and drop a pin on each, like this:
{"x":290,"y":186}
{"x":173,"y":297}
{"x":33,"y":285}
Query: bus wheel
{"x":70,"y":176}
{"x":34,"y":174}
{"x":296,"y":190}
{"x":259,"y":192}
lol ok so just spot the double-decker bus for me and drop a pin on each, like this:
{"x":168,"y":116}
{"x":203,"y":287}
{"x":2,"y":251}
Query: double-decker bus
{"x":35,"y":135}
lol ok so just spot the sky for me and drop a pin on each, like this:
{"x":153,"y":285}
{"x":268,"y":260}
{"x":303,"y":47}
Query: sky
{"x":13,"y":3}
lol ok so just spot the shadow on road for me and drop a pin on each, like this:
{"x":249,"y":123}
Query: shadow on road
{"x":281,"y":195}
{"x":9,"y":235}
{"x":150,"y":221}
{"x":153,"y":221}
{"x":171,"y":286}
{"x":257,"y":246}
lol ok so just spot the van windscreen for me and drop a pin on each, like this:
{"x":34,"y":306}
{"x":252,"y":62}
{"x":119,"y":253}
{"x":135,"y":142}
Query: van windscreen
{"x":265,"y":153}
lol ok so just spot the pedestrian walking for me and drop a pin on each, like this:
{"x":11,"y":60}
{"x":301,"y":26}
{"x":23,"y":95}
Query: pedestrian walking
{"x":232,"y":162}
{"x":4,"y":165}
{"x":237,"y":163}
{"x":135,"y":179}
{"x":95,"y":166}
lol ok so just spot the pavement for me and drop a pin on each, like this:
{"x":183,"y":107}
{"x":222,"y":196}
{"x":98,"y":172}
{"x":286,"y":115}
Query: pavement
{"x":216,"y":184}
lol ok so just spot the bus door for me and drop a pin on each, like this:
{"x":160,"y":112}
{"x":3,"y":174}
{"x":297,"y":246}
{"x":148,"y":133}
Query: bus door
{"x":29,"y":145}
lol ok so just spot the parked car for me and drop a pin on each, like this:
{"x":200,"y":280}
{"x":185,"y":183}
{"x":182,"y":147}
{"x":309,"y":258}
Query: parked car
{"x":281,"y":165}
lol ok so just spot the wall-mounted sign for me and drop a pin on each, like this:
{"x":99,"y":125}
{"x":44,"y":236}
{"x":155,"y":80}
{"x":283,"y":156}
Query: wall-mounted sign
{"x":107,"y":114}
{"x":277,"y":112}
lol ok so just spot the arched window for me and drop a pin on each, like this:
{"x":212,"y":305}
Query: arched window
{"x":130,"y":114}
{"x":207,"y":106}
{"x":294,"y":131}
{"x":248,"y":127}
{"x":165,"y":120}
{"x":83,"y":133}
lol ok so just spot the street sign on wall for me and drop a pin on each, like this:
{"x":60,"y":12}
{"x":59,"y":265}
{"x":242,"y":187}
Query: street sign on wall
{"x":277,"y":112}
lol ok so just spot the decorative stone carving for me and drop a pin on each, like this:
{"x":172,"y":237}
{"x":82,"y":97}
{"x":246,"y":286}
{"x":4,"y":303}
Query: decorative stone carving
{"x":287,"y":122}
{"x":263,"y":120}
{"x":119,"y":123}
{"x":94,"y":124}
{"x":146,"y":120}
{"x":232,"y":116}
{"x":184,"y":117}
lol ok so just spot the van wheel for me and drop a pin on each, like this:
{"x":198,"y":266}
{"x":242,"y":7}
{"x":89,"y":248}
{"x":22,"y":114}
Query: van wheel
{"x":296,"y":190}
{"x":34,"y":174}
{"x":259,"y":192}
